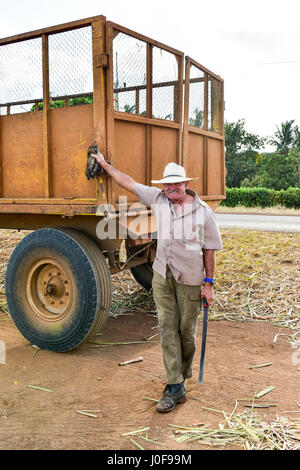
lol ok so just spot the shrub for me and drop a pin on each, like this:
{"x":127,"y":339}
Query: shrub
{"x":262,"y":197}
{"x":290,"y":198}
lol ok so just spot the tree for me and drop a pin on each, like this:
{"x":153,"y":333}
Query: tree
{"x":284,"y":137}
{"x":287,"y":141}
{"x":198,"y":121}
{"x":61,"y":103}
{"x":129,"y":109}
{"x":241,"y":153}
{"x":297,"y":138}
{"x":276,"y":171}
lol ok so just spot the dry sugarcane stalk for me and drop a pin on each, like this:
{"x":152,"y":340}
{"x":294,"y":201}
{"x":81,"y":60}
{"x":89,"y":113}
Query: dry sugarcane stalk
{"x":260,"y":365}
{"x":252,"y":434}
{"x":150,"y":440}
{"x":135,"y":432}
{"x":86,"y":414}
{"x":152,"y":399}
{"x":138,"y":359}
{"x":153,"y":336}
{"x":264,"y":392}
{"x":257,"y":405}
{"x":138,"y":445}
{"x":39,"y":388}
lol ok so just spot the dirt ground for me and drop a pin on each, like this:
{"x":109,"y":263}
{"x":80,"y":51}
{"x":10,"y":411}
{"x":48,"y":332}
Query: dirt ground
{"x":90,"y":378}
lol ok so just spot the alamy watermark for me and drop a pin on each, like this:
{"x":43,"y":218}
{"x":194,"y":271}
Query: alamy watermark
{"x":164,"y":226}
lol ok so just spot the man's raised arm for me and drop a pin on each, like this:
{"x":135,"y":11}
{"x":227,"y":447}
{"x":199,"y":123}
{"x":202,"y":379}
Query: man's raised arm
{"x":123,"y":180}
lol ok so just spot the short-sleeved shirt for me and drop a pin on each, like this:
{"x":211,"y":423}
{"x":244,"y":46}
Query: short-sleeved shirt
{"x":181,"y":238}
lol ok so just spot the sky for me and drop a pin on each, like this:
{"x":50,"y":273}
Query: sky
{"x":253,"y":45}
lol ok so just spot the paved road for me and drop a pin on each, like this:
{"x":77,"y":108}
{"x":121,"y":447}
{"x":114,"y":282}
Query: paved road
{"x":265,"y":223}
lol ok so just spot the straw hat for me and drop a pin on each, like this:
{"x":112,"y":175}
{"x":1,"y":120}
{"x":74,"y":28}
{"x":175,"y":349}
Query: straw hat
{"x":173,"y":173}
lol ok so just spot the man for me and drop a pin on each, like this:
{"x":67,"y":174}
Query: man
{"x":187,"y":237}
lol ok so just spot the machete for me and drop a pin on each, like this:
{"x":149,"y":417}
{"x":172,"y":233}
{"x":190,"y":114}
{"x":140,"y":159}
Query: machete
{"x":203,"y":347}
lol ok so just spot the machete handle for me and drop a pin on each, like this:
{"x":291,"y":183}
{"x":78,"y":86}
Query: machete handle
{"x":205,"y":304}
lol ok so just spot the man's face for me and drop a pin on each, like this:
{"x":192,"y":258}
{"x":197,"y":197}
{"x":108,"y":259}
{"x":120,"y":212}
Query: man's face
{"x":175,"y":192}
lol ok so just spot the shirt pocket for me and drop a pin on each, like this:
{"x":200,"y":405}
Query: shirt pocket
{"x":191,"y":245}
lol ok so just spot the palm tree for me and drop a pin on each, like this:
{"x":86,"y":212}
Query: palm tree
{"x":284,"y":137}
{"x":129,"y":109}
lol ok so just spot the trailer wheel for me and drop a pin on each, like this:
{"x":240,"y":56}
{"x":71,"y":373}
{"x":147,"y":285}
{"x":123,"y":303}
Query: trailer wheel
{"x":58,"y":288}
{"x":143,"y":273}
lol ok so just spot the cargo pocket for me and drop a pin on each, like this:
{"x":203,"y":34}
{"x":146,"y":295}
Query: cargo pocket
{"x":195,"y":297}
{"x":194,"y":304}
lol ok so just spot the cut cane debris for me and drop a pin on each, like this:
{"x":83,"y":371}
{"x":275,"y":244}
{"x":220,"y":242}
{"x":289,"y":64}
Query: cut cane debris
{"x":138,"y":445}
{"x":153,"y":336}
{"x":137,"y":431}
{"x":150,"y":440}
{"x":138,"y":434}
{"x":138,"y":359}
{"x":276,"y":336}
{"x":260,"y":365}
{"x":86,"y":414}
{"x":39,"y":388}
{"x":257,"y":405}
{"x":247,"y":430}
{"x":211,"y":409}
{"x":180,"y":427}
{"x":36,"y":349}
{"x":129,"y":297}
{"x":264,"y":392}
{"x":260,"y":297}
{"x":152,"y":399}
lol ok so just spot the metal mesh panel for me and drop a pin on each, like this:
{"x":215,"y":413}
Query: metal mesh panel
{"x":129,"y":74}
{"x":214,"y":105}
{"x":196,"y":100}
{"x":71,"y":62}
{"x":165,"y":85}
{"x":20,"y":74}
{"x":19,"y":108}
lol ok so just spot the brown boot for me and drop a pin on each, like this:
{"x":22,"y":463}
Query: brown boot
{"x":173,"y":394}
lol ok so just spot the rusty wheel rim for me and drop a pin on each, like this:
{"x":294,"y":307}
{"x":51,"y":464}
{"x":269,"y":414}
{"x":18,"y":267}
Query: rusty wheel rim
{"x":49,"y":290}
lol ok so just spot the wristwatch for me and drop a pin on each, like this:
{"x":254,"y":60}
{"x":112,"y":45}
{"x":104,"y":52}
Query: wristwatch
{"x":210,"y":280}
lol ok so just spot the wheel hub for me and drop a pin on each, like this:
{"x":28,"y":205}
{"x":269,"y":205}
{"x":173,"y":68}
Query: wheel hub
{"x":49,"y":290}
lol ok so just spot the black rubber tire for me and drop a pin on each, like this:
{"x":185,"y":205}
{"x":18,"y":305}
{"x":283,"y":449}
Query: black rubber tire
{"x":104,"y":276}
{"x":90,"y":285}
{"x":142,"y":273}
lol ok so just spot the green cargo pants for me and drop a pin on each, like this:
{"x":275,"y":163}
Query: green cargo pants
{"x":178,"y":308}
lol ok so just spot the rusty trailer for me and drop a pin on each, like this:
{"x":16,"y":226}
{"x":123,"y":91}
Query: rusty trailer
{"x":144,"y":104}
